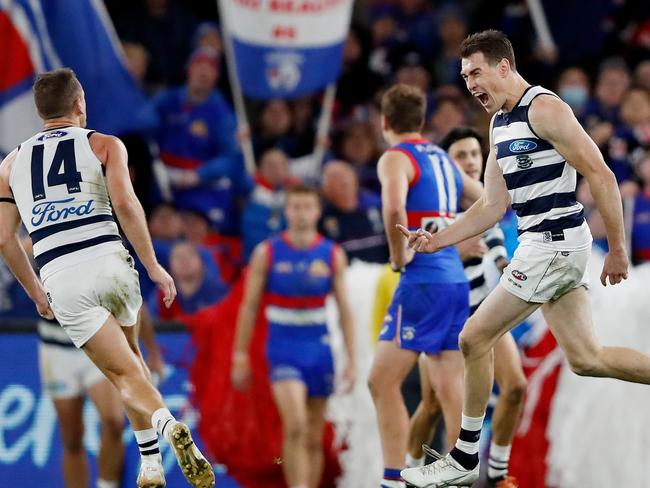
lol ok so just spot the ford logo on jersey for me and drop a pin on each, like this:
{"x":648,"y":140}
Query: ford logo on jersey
{"x":59,"y":209}
{"x":522,"y":145}
{"x":52,"y":135}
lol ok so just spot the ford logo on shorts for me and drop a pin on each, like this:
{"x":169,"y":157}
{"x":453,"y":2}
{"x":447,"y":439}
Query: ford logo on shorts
{"x":518,"y":275}
{"x":522,"y":145}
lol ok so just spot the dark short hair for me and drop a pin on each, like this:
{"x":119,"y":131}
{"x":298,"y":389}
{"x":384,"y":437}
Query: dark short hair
{"x":404,"y":107}
{"x":55,"y":93}
{"x":494,"y":45}
{"x":455,"y":135}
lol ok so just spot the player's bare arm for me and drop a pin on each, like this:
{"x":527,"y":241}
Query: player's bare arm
{"x":482,"y":215}
{"x":345,"y":316}
{"x":395,"y":172}
{"x":255,"y":286}
{"x":553,"y":120}
{"x":112,"y":153}
{"x":10,"y":246}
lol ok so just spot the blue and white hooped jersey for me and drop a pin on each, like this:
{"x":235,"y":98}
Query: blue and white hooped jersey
{"x":59,"y":187}
{"x":434,"y":196}
{"x":298,"y":283}
{"x":541,"y":183}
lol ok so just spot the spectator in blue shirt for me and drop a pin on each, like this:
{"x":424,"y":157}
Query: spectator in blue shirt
{"x":197,"y":285}
{"x":601,"y":114}
{"x":197,"y":139}
{"x":263,"y":214}
{"x":632,"y":135}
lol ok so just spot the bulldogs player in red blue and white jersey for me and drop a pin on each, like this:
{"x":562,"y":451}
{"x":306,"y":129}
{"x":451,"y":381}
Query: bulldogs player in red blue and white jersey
{"x":421,"y":187}
{"x":537,"y":145}
{"x":293,"y":274}
{"x":63,"y":184}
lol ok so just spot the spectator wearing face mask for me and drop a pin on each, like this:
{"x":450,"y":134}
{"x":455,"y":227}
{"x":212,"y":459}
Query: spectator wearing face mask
{"x":573,"y":87}
{"x":352,"y":217}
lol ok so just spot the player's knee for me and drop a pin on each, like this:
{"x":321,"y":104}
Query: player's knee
{"x":112,"y":426}
{"x":430,"y":405}
{"x":584,"y":365}
{"x":467,"y":343}
{"x":315,"y":442}
{"x":73,"y":444}
{"x":375,"y":384}
{"x":295,"y":430}
{"x":514,"y":391}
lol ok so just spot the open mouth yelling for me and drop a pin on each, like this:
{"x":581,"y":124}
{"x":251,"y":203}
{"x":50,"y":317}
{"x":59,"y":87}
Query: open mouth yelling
{"x":482,"y":97}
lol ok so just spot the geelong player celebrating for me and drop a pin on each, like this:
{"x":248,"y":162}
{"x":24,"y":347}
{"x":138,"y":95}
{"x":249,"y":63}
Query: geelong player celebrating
{"x":536,"y":146}
{"x":63,"y":184}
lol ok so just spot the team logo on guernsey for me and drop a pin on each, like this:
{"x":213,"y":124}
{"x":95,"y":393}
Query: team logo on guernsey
{"x":522,"y":145}
{"x":524,"y":161}
{"x":199,"y":128}
{"x":518,"y":275}
{"x":319,"y":269}
{"x":58,"y":209}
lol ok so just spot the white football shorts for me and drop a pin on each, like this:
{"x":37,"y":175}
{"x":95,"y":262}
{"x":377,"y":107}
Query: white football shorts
{"x":66,"y":372}
{"x":539,"y":274}
{"x":84,"y":295}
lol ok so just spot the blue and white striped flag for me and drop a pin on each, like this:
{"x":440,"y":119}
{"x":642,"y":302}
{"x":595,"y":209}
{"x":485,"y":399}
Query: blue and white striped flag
{"x":287,"y":48}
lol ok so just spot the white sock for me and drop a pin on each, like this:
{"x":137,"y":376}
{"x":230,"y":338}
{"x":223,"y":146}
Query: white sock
{"x":498,"y":462}
{"x":147,"y":443}
{"x":107,"y":484}
{"x":413,"y":462}
{"x":470,"y":429}
{"x":162,"y":420}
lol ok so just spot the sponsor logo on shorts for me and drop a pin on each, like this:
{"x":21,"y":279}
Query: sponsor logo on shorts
{"x":408,"y":333}
{"x":565,"y":253}
{"x":518,"y":275}
{"x":522,"y":145}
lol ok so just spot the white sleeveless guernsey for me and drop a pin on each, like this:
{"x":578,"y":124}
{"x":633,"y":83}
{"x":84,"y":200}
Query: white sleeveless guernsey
{"x":541,"y":183}
{"x":59,"y":187}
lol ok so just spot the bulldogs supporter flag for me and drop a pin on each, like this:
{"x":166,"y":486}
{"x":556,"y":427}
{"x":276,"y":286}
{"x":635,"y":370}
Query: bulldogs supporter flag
{"x":40,"y":35}
{"x":287,"y":48}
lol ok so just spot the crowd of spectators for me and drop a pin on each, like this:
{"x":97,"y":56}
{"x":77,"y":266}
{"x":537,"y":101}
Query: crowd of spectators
{"x":206,"y":213}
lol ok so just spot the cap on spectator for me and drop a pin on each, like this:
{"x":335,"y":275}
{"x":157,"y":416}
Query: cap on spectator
{"x":204,"y":55}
